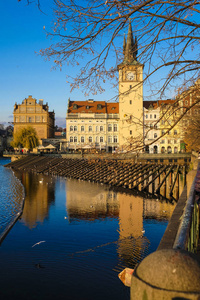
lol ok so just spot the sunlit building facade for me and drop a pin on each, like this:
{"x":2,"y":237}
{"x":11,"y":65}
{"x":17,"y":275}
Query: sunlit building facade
{"x":35,"y":114}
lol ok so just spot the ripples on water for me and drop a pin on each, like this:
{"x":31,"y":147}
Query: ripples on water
{"x":90,"y":234}
{"x":11,"y":197}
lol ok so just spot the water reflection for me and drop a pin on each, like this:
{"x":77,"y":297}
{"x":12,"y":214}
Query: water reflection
{"x":91,"y":233}
{"x":40,"y":195}
{"x":89,"y":201}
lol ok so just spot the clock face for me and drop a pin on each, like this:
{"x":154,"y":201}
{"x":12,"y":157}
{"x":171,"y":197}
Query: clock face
{"x":130,"y":75}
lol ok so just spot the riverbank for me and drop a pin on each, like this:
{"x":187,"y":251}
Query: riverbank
{"x":143,"y":177}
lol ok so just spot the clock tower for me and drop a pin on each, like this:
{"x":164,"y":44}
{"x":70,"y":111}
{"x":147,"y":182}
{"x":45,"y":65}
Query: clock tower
{"x":130,"y":96}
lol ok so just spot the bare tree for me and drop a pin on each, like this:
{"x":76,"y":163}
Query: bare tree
{"x":89,"y":34}
{"x":167,"y":31}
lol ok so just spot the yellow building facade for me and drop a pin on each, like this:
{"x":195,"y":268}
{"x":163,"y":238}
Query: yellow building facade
{"x":37,"y":115}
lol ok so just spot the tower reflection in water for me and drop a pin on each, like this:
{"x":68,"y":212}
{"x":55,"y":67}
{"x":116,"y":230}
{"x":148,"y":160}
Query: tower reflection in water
{"x":90,"y":202}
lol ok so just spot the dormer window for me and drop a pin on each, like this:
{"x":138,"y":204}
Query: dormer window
{"x":112,"y":108}
{"x":99,"y":106}
{"x":75,"y":106}
{"x":87,"y":107}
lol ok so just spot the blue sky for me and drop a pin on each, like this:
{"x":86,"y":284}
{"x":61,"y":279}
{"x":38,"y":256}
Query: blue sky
{"x":25,"y":73}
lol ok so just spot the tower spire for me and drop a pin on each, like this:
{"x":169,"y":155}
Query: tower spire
{"x":124,"y":45}
{"x":130,"y":52}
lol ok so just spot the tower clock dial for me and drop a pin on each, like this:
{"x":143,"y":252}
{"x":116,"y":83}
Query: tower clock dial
{"x":130,"y":75}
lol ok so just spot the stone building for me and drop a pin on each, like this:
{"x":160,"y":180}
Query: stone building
{"x":92,"y":124}
{"x":105,"y":125}
{"x":151,"y":112}
{"x":37,"y":115}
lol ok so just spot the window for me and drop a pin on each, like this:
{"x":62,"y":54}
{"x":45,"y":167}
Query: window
{"x":150,"y":116}
{"x":82,"y":128}
{"x":90,"y":139}
{"x":130,"y":86}
{"x":75,"y":106}
{"x":101,"y":139}
{"x":175,"y":132}
{"x":75,"y":128}
{"x":115,"y":127}
{"x":71,"y":139}
{"x":186,"y":102}
{"x":155,"y":135}
{"x":96,"y":128}
{"x":109,"y":127}
{"x":90,"y":128}
{"x":82,"y":139}
{"x":87,"y":107}
{"x":97,"y":138}
{"x":75,"y":139}
{"x":162,"y":122}
{"x":154,"y":116}
{"x":130,"y":101}
{"x":115,"y":139}
{"x":130,"y":132}
{"x":99,"y":106}
{"x":109,"y":139}
{"x":101,"y":128}
{"x":146,"y":116}
{"x":163,"y":132}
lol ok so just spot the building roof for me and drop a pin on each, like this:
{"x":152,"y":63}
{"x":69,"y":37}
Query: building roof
{"x":91,"y":106}
{"x":150,"y":104}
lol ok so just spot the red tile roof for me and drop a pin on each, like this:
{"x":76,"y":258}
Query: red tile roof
{"x":91,"y":106}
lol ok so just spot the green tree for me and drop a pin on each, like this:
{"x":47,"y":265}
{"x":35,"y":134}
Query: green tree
{"x":25,"y":137}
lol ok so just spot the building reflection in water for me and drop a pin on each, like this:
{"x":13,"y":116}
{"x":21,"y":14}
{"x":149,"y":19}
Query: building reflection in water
{"x":89,"y":201}
{"x":40,"y":195}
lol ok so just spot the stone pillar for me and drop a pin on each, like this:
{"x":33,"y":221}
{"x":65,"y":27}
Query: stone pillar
{"x":167,"y":274}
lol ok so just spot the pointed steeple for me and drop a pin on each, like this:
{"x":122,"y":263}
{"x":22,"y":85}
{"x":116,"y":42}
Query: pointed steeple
{"x":124,"y":45}
{"x":130,"y":52}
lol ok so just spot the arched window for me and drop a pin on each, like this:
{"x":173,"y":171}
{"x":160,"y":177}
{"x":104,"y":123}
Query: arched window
{"x":163,"y":150}
{"x":115,"y":127}
{"x":90,"y":139}
{"x":155,"y":149}
{"x":71,"y":139}
{"x":75,"y":128}
{"x":82,"y":139}
{"x":101,"y":128}
{"x":175,"y":150}
{"x":82,"y":128}
{"x":75,"y":139}
{"x":90,"y":128}
{"x":71,"y":128}
{"x":169,"y":149}
{"x":109,"y":127}
{"x":109,"y":139}
{"x":101,"y":139}
{"x":155,"y":135}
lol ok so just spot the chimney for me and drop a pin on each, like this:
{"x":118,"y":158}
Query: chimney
{"x":41,"y":101}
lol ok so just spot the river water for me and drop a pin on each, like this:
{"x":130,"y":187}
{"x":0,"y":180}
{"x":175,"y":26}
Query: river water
{"x":73,"y":237}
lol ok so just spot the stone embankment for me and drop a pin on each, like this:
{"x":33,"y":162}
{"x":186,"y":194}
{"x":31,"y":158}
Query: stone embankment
{"x":118,"y":173}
